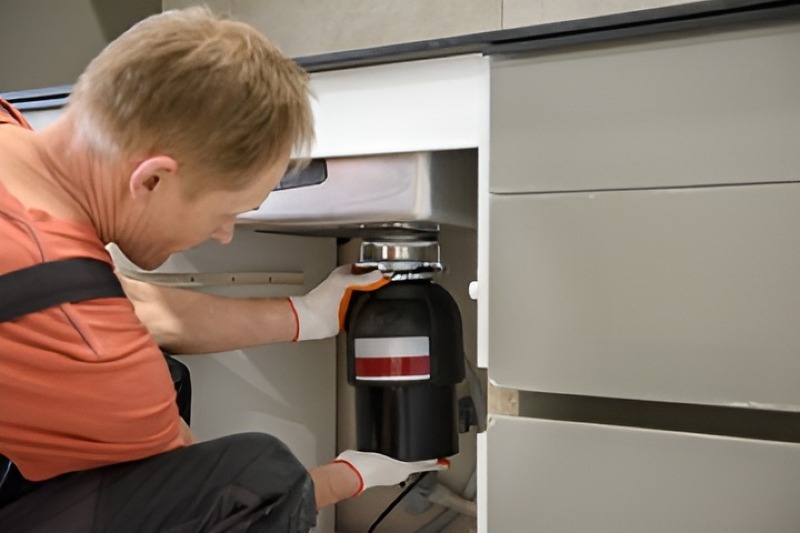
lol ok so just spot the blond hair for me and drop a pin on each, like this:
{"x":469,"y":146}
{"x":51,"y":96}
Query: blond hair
{"x":213,"y":94}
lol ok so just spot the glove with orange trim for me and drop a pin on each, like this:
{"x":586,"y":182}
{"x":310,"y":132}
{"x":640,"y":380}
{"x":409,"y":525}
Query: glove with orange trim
{"x":320,"y":313}
{"x":376,"y":470}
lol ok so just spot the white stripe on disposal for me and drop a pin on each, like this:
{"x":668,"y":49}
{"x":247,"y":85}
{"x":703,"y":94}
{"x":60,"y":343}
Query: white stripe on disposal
{"x":420,"y":377}
{"x":392,"y":347}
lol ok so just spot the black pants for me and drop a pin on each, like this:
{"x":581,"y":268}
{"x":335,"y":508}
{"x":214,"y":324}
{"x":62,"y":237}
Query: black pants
{"x":242,"y":483}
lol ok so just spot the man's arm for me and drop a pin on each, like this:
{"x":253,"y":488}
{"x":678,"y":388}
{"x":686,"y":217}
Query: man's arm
{"x":333,"y":483}
{"x":186,"y":322}
{"x":189,"y":322}
{"x":186,"y":433}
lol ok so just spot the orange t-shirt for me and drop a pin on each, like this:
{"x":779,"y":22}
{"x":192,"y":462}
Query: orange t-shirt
{"x":82,"y":385}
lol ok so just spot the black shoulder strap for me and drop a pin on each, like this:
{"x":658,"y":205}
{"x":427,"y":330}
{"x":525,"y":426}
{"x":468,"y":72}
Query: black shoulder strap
{"x":47,"y":284}
{"x":38,"y":287}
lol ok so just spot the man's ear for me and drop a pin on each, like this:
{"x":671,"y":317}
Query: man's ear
{"x":149,"y":173}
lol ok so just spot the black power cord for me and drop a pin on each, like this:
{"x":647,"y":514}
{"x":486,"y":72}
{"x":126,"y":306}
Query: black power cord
{"x":397,"y":500}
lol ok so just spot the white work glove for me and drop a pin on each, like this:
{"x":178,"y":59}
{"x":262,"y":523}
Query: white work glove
{"x":320,"y":313}
{"x":376,"y":470}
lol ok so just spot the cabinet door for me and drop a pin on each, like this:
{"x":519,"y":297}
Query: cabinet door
{"x":720,"y":107}
{"x":685,"y":295}
{"x":564,"y":477}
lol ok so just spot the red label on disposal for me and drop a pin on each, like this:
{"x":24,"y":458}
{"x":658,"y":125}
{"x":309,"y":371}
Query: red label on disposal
{"x":393,"y":358}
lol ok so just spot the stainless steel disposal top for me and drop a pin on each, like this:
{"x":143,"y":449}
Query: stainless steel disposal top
{"x":357,"y":194}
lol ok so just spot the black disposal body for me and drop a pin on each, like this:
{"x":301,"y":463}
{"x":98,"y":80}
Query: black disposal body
{"x":405,"y":355}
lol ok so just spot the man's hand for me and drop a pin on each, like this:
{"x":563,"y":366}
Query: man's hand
{"x":320,"y":313}
{"x":376,"y":470}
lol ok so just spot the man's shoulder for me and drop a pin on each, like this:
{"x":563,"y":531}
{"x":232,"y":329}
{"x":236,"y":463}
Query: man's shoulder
{"x":17,"y":238}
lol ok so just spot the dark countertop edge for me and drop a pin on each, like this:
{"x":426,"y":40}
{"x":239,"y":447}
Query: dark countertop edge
{"x":695,"y":15}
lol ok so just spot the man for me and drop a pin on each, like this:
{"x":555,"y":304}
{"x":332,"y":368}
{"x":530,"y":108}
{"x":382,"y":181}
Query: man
{"x":177,"y":127}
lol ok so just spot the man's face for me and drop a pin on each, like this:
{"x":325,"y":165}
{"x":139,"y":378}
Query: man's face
{"x":183,"y":222}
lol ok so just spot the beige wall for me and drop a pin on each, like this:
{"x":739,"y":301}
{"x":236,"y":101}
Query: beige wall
{"x":308,"y":27}
{"x":517,"y":13}
{"x":49,"y":42}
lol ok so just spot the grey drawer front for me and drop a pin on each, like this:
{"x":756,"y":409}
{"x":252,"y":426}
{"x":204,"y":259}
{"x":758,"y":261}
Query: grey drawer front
{"x":684,"y":295}
{"x":720,"y":108}
{"x":561,"y":477}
